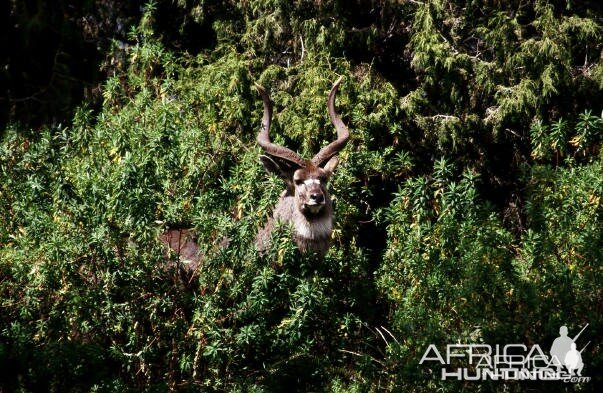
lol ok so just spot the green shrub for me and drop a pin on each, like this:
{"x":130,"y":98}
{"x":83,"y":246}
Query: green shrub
{"x":467,"y":203}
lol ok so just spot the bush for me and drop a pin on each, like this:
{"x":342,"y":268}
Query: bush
{"x":468,"y":202}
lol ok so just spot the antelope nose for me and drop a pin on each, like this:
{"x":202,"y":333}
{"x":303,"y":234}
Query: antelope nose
{"x":318,"y":198}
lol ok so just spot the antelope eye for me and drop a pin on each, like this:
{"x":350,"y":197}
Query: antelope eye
{"x":323,"y":179}
{"x":298,"y":182}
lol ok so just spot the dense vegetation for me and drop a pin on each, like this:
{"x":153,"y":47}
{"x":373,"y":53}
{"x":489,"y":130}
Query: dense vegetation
{"x":468,"y":201}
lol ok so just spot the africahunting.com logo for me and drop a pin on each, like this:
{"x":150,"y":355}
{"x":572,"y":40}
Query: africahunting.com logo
{"x":511,"y":362}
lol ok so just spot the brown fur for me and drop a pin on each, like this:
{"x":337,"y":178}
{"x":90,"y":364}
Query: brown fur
{"x":312,"y":222}
{"x":305,"y":204}
{"x":182,"y":243}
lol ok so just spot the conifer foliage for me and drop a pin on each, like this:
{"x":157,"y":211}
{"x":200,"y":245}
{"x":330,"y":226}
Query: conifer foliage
{"x":468,"y":201}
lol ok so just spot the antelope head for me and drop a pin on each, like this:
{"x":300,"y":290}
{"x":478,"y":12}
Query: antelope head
{"x":306,"y":202}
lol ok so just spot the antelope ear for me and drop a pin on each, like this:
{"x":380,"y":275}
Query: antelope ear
{"x":331,"y":165}
{"x":269,"y":165}
{"x":282,"y":168}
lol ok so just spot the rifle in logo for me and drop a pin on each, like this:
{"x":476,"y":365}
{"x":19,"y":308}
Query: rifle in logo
{"x":564,"y":352}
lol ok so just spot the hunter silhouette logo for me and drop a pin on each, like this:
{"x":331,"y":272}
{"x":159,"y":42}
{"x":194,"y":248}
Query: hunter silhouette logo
{"x":512,"y":362}
{"x":564,"y":352}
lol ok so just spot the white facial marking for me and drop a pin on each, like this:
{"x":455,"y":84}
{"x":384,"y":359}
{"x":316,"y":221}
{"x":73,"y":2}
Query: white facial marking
{"x":311,"y":181}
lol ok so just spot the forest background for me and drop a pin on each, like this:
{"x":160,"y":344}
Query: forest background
{"x":468,"y":201}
